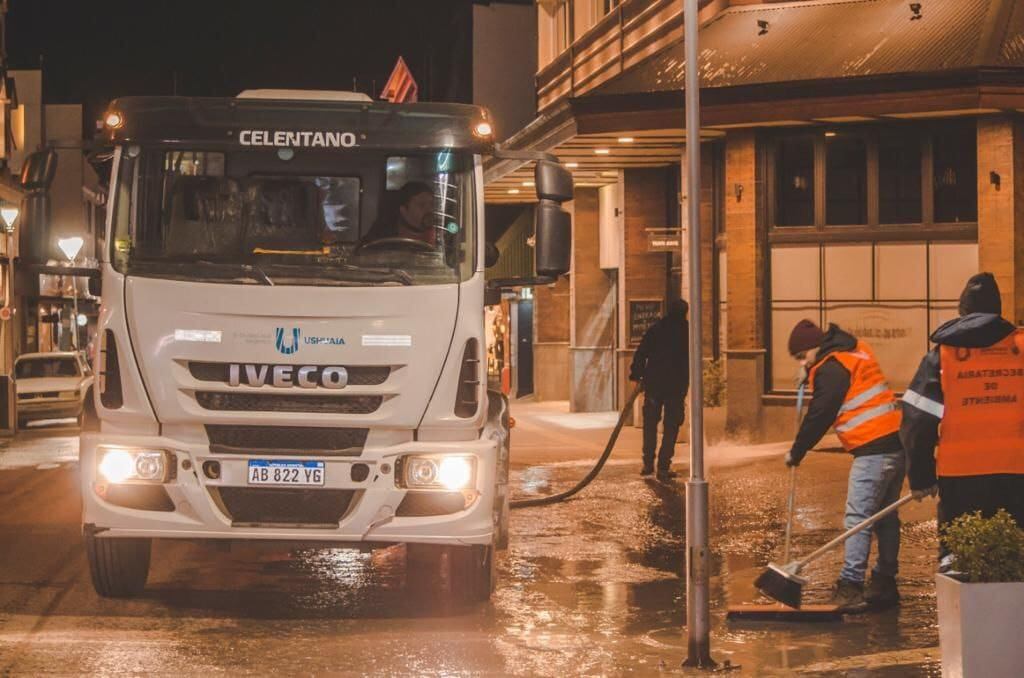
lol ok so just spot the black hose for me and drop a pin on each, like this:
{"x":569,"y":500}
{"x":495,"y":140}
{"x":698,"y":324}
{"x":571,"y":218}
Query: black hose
{"x":562,"y":496}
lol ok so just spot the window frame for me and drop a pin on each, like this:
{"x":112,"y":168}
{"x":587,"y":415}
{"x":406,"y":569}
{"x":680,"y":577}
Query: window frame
{"x":820,"y":231}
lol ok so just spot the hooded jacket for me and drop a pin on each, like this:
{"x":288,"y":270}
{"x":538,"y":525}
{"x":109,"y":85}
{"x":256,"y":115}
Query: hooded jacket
{"x":924,"y":402}
{"x":662,"y":361}
{"x":831,"y":384}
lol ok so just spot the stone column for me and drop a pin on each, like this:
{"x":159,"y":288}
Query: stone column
{"x":1001,"y":209}
{"x":745,"y":355}
{"x":551,"y":341}
{"x":592,"y":313}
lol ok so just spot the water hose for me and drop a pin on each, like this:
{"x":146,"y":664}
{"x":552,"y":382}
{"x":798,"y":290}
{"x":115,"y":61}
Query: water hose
{"x":562,"y":496}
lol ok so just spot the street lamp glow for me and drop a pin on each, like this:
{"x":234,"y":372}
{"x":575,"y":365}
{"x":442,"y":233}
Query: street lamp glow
{"x":9,"y":213}
{"x":70,"y":246}
{"x":82,"y":320}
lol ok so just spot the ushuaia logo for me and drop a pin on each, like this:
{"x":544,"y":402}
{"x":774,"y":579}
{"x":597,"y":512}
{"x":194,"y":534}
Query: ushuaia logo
{"x":289,"y":348}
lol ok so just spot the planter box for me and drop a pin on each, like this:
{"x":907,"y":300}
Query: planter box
{"x":981,"y":628}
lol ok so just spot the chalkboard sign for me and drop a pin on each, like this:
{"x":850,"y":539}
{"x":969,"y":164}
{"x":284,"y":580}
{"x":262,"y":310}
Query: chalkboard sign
{"x":642,"y":314}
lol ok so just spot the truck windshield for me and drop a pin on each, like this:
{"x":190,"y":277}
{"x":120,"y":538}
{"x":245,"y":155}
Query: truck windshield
{"x":283,"y":216}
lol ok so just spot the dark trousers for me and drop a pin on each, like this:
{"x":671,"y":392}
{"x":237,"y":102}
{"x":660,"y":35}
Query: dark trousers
{"x":959,"y":495}
{"x":673,"y":408}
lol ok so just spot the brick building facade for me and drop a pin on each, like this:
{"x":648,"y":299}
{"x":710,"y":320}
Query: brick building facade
{"x":861,"y":158}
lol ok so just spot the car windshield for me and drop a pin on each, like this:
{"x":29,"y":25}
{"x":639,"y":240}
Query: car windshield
{"x":283,"y":216}
{"x":41,"y":368}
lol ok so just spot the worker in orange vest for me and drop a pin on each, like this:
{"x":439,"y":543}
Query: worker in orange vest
{"x":850,"y":393}
{"x":963,"y":425}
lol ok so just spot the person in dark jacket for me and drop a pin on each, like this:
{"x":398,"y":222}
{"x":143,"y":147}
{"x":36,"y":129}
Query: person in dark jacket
{"x":851,"y":394}
{"x":971,"y":385}
{"x":662,"y":366}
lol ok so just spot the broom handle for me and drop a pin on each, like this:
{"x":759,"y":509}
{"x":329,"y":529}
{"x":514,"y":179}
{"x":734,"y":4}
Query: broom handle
{"x":854,"y":530}
{"x":792,"y":475}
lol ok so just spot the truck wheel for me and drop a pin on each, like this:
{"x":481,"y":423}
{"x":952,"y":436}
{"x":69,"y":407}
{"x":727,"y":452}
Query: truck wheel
{"x":501,"y":529}
{"x":119,"y":567}
{"x":464,"y":572}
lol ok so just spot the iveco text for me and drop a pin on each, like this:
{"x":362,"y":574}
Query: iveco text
{"x":292,"y":332}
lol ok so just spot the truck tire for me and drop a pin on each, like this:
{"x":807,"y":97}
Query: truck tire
{"x":119,"y":567}
{"x":460,"y":572}
{"x":501,"y":530}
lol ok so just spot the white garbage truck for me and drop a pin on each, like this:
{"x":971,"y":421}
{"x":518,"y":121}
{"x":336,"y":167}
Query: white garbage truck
{"x":291,"y":335}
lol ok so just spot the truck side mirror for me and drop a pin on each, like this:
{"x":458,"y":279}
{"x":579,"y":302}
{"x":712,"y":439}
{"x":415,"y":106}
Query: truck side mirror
{"x":491,"y":254}
{"x":553,"y":239}
{"x":553,"y":181}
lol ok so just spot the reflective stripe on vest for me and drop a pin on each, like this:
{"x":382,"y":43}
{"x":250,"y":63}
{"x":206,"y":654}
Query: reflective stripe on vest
{"x":869,"y":411}
{"x":982,"y":430}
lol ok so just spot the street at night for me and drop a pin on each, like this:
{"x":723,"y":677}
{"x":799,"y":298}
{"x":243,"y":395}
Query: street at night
{"x":512,"y":338}
{"x":592,"y":586}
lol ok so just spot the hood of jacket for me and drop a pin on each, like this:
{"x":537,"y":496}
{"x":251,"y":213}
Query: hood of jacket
{"x":974,"y":330}
{"x":836,"y":339}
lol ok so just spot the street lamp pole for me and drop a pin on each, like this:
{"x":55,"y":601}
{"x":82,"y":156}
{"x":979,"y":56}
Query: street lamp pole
{"x":698,"y":603}
{"x":71,"y":247}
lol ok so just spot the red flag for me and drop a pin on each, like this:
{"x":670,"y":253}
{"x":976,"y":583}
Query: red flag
{"x":401,"y":87}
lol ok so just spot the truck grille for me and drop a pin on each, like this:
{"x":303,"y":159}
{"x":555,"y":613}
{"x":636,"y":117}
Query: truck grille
{"x":283,"y":506}
{"x":359,"y":375}
{"x":272,"y":402}
{"x":285,"y":440}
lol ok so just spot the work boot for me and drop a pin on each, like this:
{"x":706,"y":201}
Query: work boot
{"x":647,"y":470}
{"x":881,"y":592}
{"x":848,"y":597}
{"x":666,"y":474}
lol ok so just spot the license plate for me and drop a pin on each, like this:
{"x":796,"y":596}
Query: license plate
{"x":267,"y":472}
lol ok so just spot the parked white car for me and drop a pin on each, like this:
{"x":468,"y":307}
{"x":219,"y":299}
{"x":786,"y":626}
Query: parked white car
{"x":51,"y":385}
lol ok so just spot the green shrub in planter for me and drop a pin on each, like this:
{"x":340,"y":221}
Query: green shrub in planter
{"x":714,"y":383}
{"x":986,"y":550}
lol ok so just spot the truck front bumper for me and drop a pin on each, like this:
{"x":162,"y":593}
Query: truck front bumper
{"x":197,"y":506}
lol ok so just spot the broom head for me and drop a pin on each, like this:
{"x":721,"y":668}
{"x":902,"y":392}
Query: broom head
{"x":781,"y":584}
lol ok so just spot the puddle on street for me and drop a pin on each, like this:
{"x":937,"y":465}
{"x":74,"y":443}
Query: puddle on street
{"x":593,"y":585}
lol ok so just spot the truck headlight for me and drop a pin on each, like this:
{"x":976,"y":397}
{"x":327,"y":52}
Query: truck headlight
{"x":127,"y":465}
{"x":440,"y":472}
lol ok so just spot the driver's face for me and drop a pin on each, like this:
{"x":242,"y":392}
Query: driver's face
{"x":419,"y":212}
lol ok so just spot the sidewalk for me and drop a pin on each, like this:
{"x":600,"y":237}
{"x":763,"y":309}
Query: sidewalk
{"x":547,"y":433}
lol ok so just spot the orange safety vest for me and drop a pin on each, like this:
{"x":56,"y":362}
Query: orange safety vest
{"x":869,"y":411}
{"x":982,"y":430}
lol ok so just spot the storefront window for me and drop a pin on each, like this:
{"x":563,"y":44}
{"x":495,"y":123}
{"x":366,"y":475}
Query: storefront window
{"x":892,"y":295}
{"x":846,"y":179}
{"x":955,"y":166}
{"x":899,"y":178}
{"x":794,"y":181}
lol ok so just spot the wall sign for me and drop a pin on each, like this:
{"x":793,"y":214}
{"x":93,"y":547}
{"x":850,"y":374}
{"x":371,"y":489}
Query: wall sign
{"x":642,"y":314}
{"x":664,"y":239}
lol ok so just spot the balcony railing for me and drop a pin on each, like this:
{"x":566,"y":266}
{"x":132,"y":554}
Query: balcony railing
{"x":624,"y":37}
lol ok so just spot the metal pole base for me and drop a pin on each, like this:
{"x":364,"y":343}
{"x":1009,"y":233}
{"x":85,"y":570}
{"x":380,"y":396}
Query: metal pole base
{"x":700,"y":658}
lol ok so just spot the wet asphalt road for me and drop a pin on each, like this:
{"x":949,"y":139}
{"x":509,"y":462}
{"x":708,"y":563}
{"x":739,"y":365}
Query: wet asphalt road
{"x":589,"y":587}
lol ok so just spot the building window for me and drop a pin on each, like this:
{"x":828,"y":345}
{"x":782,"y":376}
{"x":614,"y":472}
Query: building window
{"x":609,"y":5}
{"x":899,"y":178}
{"x":794,"y":181}
{"x":846,"y":179}
{"x":890,"y":294}
{"x":868,"y":176}
{"x":955,"y":172}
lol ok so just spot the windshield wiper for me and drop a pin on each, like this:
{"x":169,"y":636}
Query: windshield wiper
{"x":344,"y":272}
{"x":254,"y":272}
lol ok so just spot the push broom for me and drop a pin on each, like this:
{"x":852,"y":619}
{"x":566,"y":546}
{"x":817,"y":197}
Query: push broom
{"x":784,"y":583}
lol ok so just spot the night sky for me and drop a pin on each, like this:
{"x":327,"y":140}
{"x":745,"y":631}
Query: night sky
{"x":95,"y":51}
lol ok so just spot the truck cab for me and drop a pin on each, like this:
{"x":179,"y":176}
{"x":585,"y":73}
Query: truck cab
{"x":292,"y":331}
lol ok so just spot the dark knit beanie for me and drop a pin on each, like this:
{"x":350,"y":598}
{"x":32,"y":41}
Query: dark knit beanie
{"x":981,"y":295}
{"x":805,"y":336}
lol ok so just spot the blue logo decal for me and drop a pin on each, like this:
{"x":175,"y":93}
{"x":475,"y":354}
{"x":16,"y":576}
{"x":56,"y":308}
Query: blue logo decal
{"x":287,"y":349}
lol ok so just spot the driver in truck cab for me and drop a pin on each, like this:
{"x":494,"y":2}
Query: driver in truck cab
{"x":414,"y":215}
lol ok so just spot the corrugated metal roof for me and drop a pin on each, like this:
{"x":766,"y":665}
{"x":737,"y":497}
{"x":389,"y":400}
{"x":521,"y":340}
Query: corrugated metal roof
{"x":829,"y":39}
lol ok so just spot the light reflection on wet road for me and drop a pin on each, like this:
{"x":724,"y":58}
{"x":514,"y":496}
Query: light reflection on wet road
{"x":588,"y":587}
